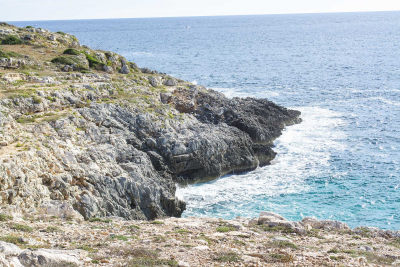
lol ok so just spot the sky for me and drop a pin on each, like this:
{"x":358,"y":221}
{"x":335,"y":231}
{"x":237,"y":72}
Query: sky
{"x":28,"y":10}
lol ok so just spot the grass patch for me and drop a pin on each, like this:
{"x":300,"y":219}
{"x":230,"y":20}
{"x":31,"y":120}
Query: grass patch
{"x":21,"y":227}
{"x":135,"y":226}
{"x":284,"y":244}
{"x":281,"y":257}
{"x":144,"y":257}
{"x":120,"y":237}
{"x":12,"y":239}
{"x":53,"y":229}
{"x":100,"y":220}
{"x":25,"y":120}
{"x":157,"y":222}
{"x":4,"y":54}
{"x":282,"y":229}
{"x":224,"y":229}
{"x":226,"y":257}
{"x":4,"y":218}
{"x":395,"y":243}
{"x":182,"y":231}
{"x":337,"y":258}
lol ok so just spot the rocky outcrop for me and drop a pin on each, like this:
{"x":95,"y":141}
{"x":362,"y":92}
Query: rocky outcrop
{"x":115,"y":142}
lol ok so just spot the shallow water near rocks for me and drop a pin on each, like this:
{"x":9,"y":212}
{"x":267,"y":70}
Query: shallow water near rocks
{"x":342,"y":71}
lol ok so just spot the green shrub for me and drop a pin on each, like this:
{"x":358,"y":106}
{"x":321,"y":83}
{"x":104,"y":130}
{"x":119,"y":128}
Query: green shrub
{"x":93,"y":62}
{"x":29,"y":27}
{"x":64,"y":60}
{"x":60,"y":32}
{"x":72,"y":51}
{"x":11,"y":40}
{"x":36,"y":100}
{"x":68,"y":60}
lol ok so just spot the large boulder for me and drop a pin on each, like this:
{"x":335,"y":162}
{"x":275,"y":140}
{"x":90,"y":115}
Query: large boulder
{"x":9,"y":249}
{"x":51,"y":258}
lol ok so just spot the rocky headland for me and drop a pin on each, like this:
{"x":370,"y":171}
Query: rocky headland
{"x":85,"y":134}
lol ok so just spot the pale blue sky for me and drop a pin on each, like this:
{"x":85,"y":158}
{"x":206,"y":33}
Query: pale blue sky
{"x":19,"y":10}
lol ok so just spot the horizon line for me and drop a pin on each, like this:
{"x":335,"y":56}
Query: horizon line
{"x":198,"y":16}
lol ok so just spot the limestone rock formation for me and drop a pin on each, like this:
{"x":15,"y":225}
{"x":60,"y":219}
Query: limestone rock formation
{"x":105,"y":138}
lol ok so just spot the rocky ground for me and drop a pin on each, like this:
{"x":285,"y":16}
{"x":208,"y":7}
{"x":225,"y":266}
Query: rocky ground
{"x":269,"y":240}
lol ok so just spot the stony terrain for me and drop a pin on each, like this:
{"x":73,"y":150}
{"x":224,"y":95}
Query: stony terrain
{"x":269,"y":240}
{"x":86,"y":134}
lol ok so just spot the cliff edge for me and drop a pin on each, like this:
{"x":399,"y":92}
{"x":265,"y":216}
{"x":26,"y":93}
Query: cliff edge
{"x":88,"y":131}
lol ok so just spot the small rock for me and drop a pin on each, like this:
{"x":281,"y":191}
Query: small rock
{"x":202,"y":248}
{"x":281,"y":239}
{"x":366,"y":248}
{"x":183,"y":264}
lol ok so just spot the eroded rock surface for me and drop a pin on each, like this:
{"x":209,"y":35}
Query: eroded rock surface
{"x":114,"y":139}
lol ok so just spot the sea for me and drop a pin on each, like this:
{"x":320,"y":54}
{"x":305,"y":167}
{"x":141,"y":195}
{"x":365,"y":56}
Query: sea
{"x":341,"y":70}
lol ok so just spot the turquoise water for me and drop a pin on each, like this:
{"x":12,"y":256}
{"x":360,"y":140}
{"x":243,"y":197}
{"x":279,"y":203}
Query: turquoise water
{"x":341,"y":70}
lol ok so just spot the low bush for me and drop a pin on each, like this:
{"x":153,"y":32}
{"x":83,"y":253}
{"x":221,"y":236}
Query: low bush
{"x":72,"y":51}
{"x":11,"y":40}
{"x":68,"y":60}
{"x":93,"y":62}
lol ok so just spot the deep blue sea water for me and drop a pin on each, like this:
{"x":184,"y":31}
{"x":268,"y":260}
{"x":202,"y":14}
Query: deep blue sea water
{"x":341,"y":70}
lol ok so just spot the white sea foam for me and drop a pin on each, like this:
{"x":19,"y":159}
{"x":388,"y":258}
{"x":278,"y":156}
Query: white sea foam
{"x":235,"y":92}
{"x":303,"y":150}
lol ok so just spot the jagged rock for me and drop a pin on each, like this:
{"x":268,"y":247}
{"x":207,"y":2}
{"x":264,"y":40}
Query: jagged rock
{"x":155,"y":81}
{"x":108,"y":69}
{"x":170,"y":82}
{"x":124,"y":69}
{"x":60,"y":209}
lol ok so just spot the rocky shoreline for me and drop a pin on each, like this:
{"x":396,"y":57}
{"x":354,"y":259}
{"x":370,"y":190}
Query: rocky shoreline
{"x":92,"y":130}
{"x":91,"y":147}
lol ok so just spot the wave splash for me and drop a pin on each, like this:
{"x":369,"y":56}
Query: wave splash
{"x":303,"y":152}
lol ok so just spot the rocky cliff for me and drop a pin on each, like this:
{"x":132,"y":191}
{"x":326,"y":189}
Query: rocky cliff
{"x":88,"y":131}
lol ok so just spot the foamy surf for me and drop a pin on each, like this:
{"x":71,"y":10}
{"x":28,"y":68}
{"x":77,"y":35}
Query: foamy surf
{"x":304,"y":151}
